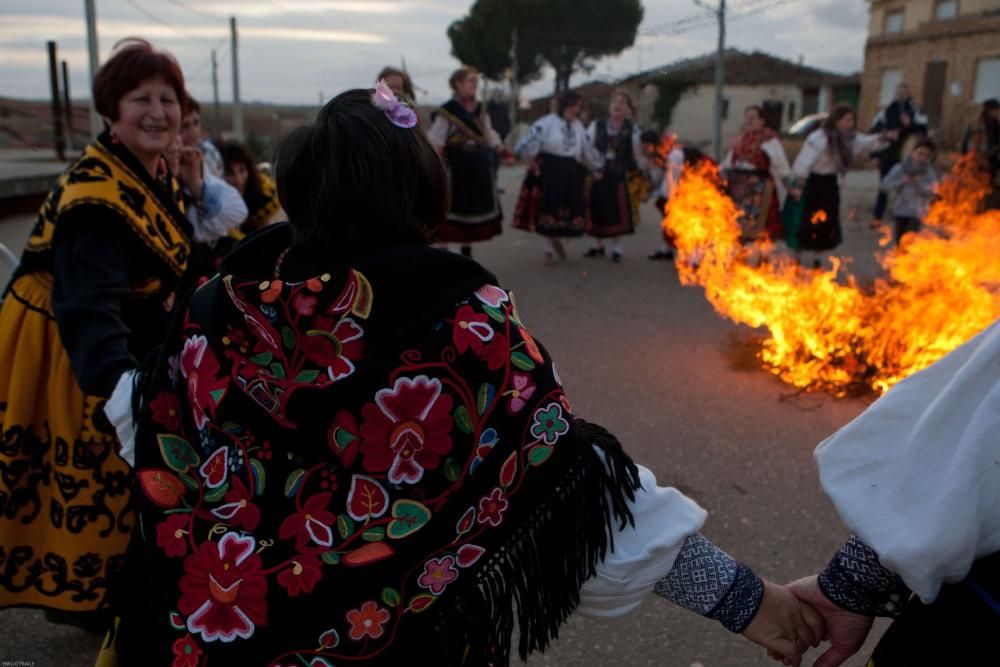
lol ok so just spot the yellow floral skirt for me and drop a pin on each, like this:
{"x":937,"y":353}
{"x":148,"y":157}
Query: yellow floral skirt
{"x":64,"y":517}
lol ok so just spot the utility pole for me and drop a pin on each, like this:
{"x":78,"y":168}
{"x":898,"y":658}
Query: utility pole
{"x":96,"y":124}
{"x":720,"y":80}
{"x":217,"y":109}
{"x":57,"y":128}
{"x":237,"y":108}
{"x":69,"y":106}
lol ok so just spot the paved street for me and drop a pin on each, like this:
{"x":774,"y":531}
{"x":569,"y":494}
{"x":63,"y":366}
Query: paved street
{"x":651,"y":361}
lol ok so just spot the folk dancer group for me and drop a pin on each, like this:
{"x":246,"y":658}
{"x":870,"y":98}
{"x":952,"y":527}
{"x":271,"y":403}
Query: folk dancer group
{"x":349,"y":447}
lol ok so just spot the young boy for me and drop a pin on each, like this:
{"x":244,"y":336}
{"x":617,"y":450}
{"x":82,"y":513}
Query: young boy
{"x":913,"y":181}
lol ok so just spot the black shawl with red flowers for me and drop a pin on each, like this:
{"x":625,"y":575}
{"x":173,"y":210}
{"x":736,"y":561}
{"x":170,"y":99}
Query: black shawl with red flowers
{"x":375,"y":463}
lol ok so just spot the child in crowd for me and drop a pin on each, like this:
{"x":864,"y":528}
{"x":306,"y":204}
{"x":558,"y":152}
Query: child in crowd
{"x":913,"y":182}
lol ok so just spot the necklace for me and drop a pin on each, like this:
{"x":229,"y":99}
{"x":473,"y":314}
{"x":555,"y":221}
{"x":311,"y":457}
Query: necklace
{"x":279,"y":262}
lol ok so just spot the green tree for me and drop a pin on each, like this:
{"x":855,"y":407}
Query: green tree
{"x":569,"y":35}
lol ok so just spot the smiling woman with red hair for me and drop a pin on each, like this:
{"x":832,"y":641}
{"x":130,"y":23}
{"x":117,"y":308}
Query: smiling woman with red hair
{"x":92,"y":296}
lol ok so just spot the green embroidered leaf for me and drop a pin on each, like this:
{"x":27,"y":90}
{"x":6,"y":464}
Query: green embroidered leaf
{"x":485,"y":398}
{"x":494,"y":313}
{"x":331,"y":558}
{"x":344,"y":526}
{"x":288,"y":337}
{"x":409,"y":516}
{"x":277,"y":370}
{"x":217,"y":395}
{"x":307,"y":376}
{"x":189,"y":481}
{"x":390,"y":596}
{"x":376,"y":534}
{"x":259,"y":478}
{"x":343,"y":438}
{"x":462,"y":419}
{"x":522,"y":361}
{"x":262,"y":359}
{"x":451,"y":470}
{"x":177,"y":453}
{"x":539,"y":454}
{"x":293,"y":482}
{"x":215,"y":495}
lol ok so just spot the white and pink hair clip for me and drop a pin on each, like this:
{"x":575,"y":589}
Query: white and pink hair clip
{"x":399,"y":113}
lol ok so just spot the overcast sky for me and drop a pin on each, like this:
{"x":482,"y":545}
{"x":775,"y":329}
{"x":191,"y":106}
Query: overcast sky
{"x":291,"y":51}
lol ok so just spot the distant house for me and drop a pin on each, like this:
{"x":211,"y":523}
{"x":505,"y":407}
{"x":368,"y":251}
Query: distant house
{"x":947,"y":51}
{"x":681,"y":97}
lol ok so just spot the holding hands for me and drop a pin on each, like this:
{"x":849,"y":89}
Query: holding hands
{"x":784,"y":625}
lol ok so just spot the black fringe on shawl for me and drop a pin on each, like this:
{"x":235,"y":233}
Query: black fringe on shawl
{"x":556,"y":547}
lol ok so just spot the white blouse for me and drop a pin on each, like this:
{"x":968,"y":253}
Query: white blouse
{"x":554,"y":135}
{"x":637,"y":154}
{"x":780,"y":169}
{"x":917,"y":475}
{"x":443,"y":129}
{"x":817,"y":158}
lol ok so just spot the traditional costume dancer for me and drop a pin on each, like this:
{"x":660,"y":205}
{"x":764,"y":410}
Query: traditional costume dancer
{"x":552,"y":201}
{"x":615,"y":188}
{"x":757,"y":172}
{"x":92,"y":297}
{"x":463,"y":134}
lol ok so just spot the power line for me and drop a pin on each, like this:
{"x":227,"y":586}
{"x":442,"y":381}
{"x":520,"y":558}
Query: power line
{"x":193,"y":10}
{"x":154,"y":17}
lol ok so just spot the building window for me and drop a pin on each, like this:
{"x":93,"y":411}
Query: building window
{"x":891,"y":78}
{"x":987,"y":79}
{"x":946,"y":9}
{"x":791,"y":112}
{"x":894,"y":22}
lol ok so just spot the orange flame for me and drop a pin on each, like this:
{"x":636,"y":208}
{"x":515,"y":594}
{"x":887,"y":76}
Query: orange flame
{"x":827,"y":331}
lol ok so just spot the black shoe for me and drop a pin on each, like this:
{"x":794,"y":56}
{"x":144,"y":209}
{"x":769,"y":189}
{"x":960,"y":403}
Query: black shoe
{"x":467,"y":251}
{"x":594,"y":252}
{"x":616,"y":257}
{"x":662,"y":254}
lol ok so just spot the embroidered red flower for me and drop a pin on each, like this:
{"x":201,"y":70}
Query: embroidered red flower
{"x":171,"y":535}
{"x":368,"y":621}
{"x":301,"y":577}
{"x":311,"y":526}
{"x":492,"y":507}
{"x":201,"y":369}
{"x":438,"y":573}
{"x":166,"y":411}
{"x":496,"y":353}
{"x":304,"y":304}
{"x":407,"y":429}
{"x":335,"y":346}
{"x":471,"y":330}
{"x":223,"y":590}
{"x":238,"y":509}
{"x":187,"y":653}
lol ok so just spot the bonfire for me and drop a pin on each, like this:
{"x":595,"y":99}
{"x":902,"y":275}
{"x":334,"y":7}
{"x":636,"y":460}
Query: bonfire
{"x":825,"y":330}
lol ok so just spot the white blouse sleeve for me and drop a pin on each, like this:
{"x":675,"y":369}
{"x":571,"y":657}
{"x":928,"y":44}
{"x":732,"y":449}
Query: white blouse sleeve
{"x":643,"y":554}
{"x":811,"y":151}
{"x":438,"y":134}
{"x":530,"y":144}
{"x":779,"y":162}
{"x":868,"y":143}
{"x":917,"y":477}
{"x":118,"y":410}
{"x":493,"y":139}
{"x":637,"y":153}
{"x":589,"y":156}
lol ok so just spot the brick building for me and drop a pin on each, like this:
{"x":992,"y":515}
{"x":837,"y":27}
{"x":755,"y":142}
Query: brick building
{"x":947,"y":51}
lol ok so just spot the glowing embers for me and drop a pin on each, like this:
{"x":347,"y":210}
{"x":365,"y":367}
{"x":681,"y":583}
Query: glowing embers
{"x":825,"y":330}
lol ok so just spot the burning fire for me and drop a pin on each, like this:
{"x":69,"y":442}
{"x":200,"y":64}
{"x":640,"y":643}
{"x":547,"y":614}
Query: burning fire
{"x":826,"y":331}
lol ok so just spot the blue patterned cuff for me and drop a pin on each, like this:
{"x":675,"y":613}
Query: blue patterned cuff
{"x":857,"y":581}
{"x":710,"y":582}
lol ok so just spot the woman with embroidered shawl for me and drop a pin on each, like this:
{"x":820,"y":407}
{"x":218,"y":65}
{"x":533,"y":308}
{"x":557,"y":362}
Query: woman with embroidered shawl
{"x":463,"y":134}
{"x":756,"y":172}
{"x":352,"y":449}
{"x":615,"y":188}
{"x":93,"y":295}
{"x":822,"y":162}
